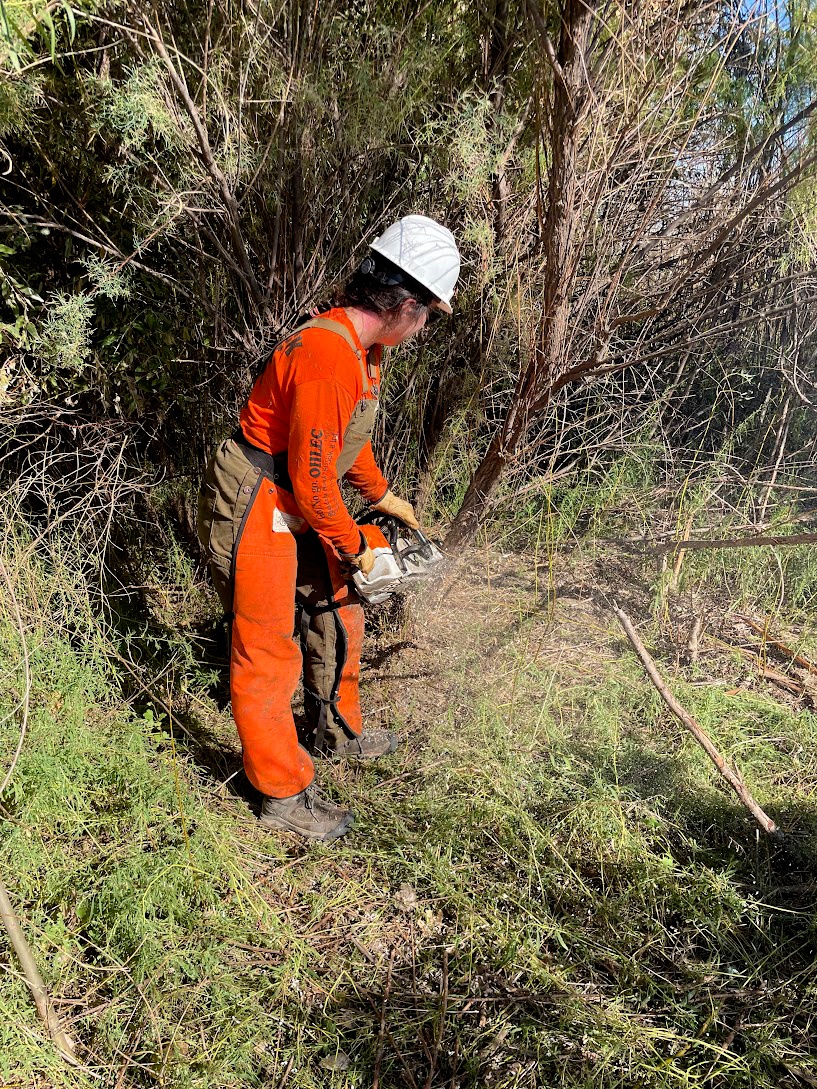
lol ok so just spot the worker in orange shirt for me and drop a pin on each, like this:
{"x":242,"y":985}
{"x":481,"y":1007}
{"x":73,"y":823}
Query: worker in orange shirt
{"x":276,"y":529}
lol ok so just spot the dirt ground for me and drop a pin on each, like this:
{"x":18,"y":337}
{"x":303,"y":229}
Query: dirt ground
{"x":439,"y":649}
{"x":454,"y":637}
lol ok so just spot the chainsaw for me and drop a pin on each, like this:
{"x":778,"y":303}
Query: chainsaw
{"x":403,"y":557}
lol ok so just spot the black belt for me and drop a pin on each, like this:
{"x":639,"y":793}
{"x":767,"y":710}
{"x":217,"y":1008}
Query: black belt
{"x":273,"y":466}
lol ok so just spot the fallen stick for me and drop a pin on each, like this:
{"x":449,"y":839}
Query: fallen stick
{"x":792,"y":655}
{"x":45,"y":1009}
{"x":765,"y":671}
{"x":731,"y":775}
{"x":778,"y":678}
{"x":736,"y":542}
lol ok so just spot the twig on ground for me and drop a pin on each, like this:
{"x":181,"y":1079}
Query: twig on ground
{"x":730,"y":1039}
{"x":809,"y":1079}
{"x":731,"y":775}
{"x":776,"y":677}
{"x":287,"y":1072}
{"x":785,"y":650}
{"x":782,"y":680}
{"x":45,"y":1009}
{"x":736,"y":542}
{"x":361,"y":948}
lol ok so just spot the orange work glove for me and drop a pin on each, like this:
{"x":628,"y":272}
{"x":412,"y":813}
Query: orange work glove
{"x":400,"y":508}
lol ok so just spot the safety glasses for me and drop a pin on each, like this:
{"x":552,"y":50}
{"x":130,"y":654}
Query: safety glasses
{"x":434,"y":315}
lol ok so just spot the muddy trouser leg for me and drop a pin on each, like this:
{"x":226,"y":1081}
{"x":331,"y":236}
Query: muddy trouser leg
{"x":331,"y":643}
{"x":265,"y":661}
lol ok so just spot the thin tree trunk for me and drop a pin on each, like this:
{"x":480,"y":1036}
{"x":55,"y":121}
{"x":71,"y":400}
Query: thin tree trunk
{"x":778,"y":453}
{"x":532,"y":394}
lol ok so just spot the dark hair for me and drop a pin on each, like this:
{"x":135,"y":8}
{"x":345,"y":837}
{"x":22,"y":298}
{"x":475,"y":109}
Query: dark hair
{"x":381,"y":286}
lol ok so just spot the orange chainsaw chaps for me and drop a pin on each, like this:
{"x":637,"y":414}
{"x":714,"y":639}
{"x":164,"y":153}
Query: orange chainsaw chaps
{"x":265,"y":659}
{"x":351,"y":616}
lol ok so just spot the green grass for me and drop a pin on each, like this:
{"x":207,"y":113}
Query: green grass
{"x":549,"y":888}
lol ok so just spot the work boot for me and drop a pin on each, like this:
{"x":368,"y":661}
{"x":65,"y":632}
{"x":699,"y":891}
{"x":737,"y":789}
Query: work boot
{"x":367,"y":745}
{"x":307,"y":814}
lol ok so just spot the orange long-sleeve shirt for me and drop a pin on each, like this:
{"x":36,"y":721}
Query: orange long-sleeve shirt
{"x":303,"y":403}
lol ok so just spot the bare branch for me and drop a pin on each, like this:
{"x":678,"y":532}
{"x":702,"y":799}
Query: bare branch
{"x":215,"y":171}
{"x":730,"y":774}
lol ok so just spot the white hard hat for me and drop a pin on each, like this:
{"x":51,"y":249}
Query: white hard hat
{"x":426,"y":251}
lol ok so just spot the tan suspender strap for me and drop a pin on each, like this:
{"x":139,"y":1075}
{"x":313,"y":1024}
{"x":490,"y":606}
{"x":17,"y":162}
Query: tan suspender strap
{"x":338,"y":327}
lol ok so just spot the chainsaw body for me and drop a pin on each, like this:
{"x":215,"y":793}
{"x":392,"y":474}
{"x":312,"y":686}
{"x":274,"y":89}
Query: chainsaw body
{"x":404,"y":558}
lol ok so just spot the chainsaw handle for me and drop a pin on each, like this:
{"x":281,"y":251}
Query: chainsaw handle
{"x":390,"y":525}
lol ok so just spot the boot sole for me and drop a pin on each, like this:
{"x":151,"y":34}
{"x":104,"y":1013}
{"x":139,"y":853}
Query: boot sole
{"x":339,"y":830}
